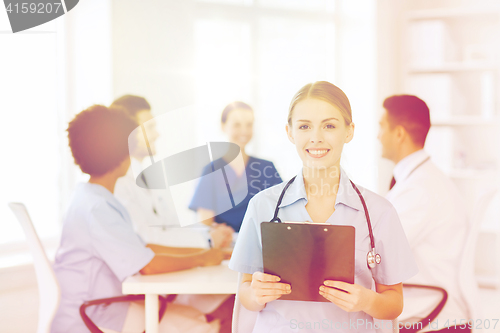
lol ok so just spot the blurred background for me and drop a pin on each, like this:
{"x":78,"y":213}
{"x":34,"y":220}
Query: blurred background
{"x":211,"y":52}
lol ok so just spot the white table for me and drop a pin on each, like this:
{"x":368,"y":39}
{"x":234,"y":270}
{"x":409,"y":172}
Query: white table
{"x":201,"y":280}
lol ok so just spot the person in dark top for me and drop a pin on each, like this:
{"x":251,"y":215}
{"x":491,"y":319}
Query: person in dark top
{"x":246,"y":179}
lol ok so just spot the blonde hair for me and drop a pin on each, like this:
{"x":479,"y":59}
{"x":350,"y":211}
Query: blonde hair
{"x":324,"y":91}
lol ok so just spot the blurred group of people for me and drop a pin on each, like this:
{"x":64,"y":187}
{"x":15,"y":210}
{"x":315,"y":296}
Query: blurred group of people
{"x":111,"y":228}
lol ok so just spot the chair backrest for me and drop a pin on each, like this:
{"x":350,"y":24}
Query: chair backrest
{"x":467,"y":280}
{"x":48,"y":287}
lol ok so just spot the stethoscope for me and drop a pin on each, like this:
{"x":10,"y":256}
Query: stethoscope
{"x":372,"y":257}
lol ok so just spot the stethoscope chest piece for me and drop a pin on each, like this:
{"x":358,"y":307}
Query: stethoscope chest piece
{"x":373,"y":259}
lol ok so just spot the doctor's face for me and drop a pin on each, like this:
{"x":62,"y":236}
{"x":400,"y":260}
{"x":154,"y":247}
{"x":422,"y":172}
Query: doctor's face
{"x":239,"y":127}
{"x":387,"y":137}
{"x":319,"y":133}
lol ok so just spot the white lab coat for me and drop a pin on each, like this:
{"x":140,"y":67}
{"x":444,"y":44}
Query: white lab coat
{"x":162,"y":227}
{"x":153,"y":214}
{"x":141,"y":204}
{"x":435,"y":223}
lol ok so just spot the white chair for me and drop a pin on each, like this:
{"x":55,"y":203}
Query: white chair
{"x":468,"y":281}
{"x":48,"y":287}
{"x":244,"y":320}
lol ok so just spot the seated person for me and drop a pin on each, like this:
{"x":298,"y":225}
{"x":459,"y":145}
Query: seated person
{"x":430,"y":208}
{"x":99,"y":247}
{"x":237,"y":123}
{"x":149,"y":209}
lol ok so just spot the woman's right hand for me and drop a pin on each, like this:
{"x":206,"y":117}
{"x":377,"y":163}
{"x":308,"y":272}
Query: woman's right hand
{"x":266,"y":288}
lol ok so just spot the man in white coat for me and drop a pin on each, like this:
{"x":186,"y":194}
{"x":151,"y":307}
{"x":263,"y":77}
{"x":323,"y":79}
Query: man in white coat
{"x":429,"y":206}
{"x":153,"y":212}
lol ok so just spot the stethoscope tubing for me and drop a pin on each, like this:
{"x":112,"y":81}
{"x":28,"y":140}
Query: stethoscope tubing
{"x":373,"y":257}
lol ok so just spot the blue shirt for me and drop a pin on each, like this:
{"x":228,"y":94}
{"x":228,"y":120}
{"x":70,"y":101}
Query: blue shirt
{"x":396,"y":266}
{"x":211,"y":191}
{"x":98,"y":250}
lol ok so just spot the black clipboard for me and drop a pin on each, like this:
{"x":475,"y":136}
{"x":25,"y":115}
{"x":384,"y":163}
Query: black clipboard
{"x":306,"y":254}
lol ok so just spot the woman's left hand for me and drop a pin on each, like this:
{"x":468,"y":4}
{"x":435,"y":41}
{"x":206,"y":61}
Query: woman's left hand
{"x":221,"y":235}
{"x":349,"y":297}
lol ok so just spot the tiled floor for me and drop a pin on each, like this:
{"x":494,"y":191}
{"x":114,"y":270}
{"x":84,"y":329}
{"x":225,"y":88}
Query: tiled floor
{"x":18,"y":310}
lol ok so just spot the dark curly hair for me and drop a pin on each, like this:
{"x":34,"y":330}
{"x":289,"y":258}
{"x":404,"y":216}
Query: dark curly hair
{"x":98,"y":138}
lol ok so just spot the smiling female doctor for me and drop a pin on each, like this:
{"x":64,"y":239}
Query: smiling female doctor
{"x":319,"y":124}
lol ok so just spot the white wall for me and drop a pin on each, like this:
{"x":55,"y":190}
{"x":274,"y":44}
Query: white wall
{"x":388,"y":72}
{"x":156,"y":53}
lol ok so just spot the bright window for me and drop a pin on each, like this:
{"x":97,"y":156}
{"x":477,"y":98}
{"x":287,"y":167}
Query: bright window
{"x":261,"y":52}
{"x":30,"y":164}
